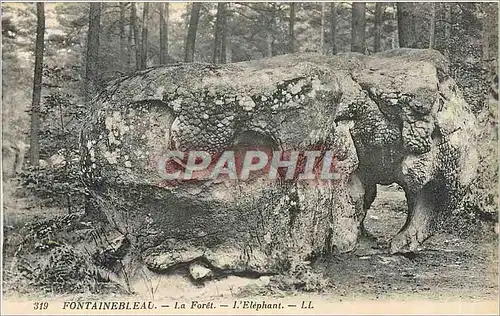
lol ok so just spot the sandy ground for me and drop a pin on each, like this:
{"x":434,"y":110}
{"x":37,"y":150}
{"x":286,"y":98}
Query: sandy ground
{"x":450,"y":275}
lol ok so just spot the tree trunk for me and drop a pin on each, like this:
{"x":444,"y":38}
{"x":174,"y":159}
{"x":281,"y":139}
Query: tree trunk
{"x":164,"y":14}
{"x":130,"y":44}
{"x":291,"y":29}
{"x":333,"y":27}
{"x":144,"y":39}
{"x":37,"y":85}
{"x":220,"y":35}
{"x":137,"y":41}
{"x":432,"y":30}
{"x":91,"y":62}
{"x":123,"y":40}
{"x":229,"y":52}
{"x":358,"y":27}
{"x":225,"y":37}
{"x":228,"y":42}
{"x":271,"y":25}
{"x":379,"y":16}
{"x":406,"y":27}
{"x":322,"y":35}
{"x":394,"y":33}
{"x":447,"y":21}
{"x":269,"y":44}
{"x":192,"y":30}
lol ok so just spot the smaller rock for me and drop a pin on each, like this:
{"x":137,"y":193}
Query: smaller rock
{"x":198,"y":271}
{"x":265,"y":280}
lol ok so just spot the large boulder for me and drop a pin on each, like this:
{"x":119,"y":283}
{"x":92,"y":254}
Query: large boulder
{"x":285,"y":104}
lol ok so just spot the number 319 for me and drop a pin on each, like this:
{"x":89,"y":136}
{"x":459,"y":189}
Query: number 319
{"x":40,"y":305}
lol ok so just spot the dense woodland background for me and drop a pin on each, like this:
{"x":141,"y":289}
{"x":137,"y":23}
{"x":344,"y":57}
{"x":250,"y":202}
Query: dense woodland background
{"x":56,"y":56}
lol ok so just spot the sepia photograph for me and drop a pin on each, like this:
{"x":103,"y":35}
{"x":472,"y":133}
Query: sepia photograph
{"x":250,"y":158}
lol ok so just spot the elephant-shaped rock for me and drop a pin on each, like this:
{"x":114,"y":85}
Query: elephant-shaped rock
{"x":394,"y":117}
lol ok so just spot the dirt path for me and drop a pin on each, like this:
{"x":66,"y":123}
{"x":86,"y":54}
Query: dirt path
{"x":447,"y":267}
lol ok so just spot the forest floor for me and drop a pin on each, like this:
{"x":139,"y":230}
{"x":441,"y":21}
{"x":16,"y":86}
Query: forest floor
{"x":449,"y":274}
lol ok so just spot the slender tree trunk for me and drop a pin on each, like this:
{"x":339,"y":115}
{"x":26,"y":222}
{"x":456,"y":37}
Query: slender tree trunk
{"x":130,"y":44}
{"x":223,"y":53}
{"x":291,"y":29}
{"x":92,"y":57}
{"x":217,"y":34}
{"x":229,"y":51}
{"x":322,"y":35}
{"x":432,"y":30}
{"x":224,"y":35}
{"x":192,"y":30}
{"x":220,"y":34}
{"x":164,"y":14}
{"x":394,"y":33}
{"x":358,"y":27}
{"x":130,"y":47}
{"x":447,"y":21}
{"x":144,"y":39}
{"x":123,"y":40}
{"x":228,"y":42}
{"x":406,"y":26}
{"x":271,"y":26}
{"x":37,"y":85}
{"x":333,"y":27}
{"x":137,"y":41}
{"x":269,"y":44}
{"x":379,"y":16}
